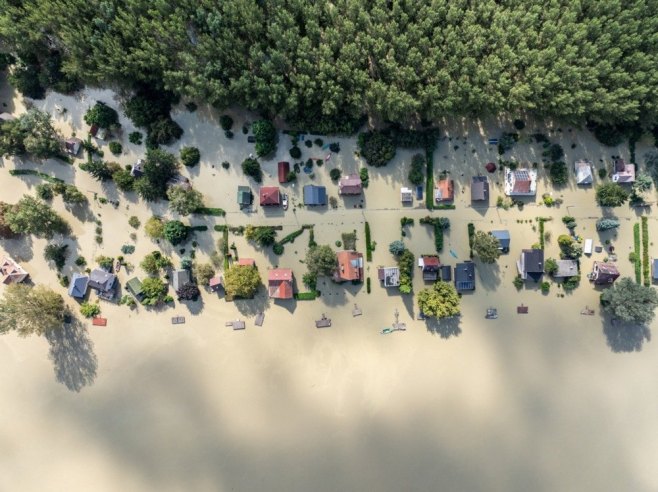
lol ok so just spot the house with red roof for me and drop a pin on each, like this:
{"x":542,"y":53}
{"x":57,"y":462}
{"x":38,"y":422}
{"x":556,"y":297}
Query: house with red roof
{"x":247,"y":262}
{"x":270,"y":196}
{"x":431,"y":267}
{"x":444,"y":190}
{"x":279,"y":283}
{"x":350,"y":267}
{"x":520,"y":182}
{"x":12,"y":272}
{"x":284,"y":169}
{"x":350,"y":185}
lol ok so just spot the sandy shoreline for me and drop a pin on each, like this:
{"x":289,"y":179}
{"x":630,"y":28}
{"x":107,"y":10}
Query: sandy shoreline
{"x":536,"y":402}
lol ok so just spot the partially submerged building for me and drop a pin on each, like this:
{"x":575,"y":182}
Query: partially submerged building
{"x":604,"y":273}
{"x":78,"y":285}
{"x":520,"y":182}
{"x":480,"y":189}
{"x":350,"y":266}
{"x":104,"y":283}
{"x":269,"y":196}
{"x":245,"y":197}
{"x":465,"y":276}
{"x":315,"y":196}
{"x":12,"y":272}
{"x":389,"y":276}
{"x":430,"y":266}
{"x":531,"y":264}
{"x":566,"y":268}
{"x":622,"y":172}
{"x":583,"y":169}
{"x":279,"y":283}
{"x":503,"y":238}
{"x":350,"y":185}
{"x":444,"y":190}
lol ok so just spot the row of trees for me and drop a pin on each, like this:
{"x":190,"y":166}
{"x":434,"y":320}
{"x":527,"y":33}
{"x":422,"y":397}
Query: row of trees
{"x":323,"y":64}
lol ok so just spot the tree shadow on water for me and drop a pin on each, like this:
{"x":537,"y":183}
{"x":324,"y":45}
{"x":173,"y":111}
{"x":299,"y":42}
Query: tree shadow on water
{"x":72,"y":353}
{"x":625,"y":337}
{"x":445,"y":328}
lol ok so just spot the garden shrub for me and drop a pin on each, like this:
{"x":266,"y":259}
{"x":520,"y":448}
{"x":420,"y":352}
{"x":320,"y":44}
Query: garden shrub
{"x":335,"y":173}
{"x":266,"y":137}
{"x":417,"y":170}
{"x":295,"y":152}
{"x":376,"y":148}
{"x":115,"y":147}
{"x":226,"y":122}
{"x":135,"y":138}
{"x":190,"y":156}
{"x":251,"y":168}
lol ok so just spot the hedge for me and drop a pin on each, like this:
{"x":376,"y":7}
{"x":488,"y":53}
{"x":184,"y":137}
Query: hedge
{"x":429,"y":182}
{"x":306,"y":296}
{"x":368,"y":285}
{"x":277,"y":248}
{"x":217,"y":212}
{"x":439,"y":223}
{"x":471,"y":232}
{"x":444,"y":206}
{"x":368,"y":243}
{"x":638,"y":258}
{"x":32,"y":172}
{"x":645,"y":252}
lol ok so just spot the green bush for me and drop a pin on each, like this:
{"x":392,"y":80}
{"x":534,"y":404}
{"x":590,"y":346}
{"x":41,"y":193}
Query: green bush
{"x":45,"y":191}
{"x":175,"y":232}
{"x":102,"y":115}
{"x":308,"y":144}
{"x":277,"y":248}
{"x":306,"y":296}
{"x":115,"y":147}
{"x":334,"y":174}
{"x":645,"y":252}
{"x":134,"y":222}
{"x":89,"y":310}
{"x":611,"y":195}
{"x":545,"y":287}
{"x":226,"y":122}
{"x":334,"y":147}
{"x":135,"y":138}
{"x":519,"y":124}
{"x":295,"y":152}
{"x":610,"y":135}
{"x":190,"y":156}
{"x":368,"y":285}
{"x":559,"y":173}
{"x":365,"y":177}
{"x":251,"y":168}
{"x":518,"y":282}
{"x":554,"y":152}
{"x":319,"y":142}
{"x":571,"y":283}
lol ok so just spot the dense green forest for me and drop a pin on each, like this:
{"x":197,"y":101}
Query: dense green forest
{"x":324,"y":65}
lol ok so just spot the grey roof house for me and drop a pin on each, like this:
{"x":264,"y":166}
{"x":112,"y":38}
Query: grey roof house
{"x":531,"y":264}
{"x":78,"y":286}
{"x":480,"y":189}
{"x":104,"y":283}
{"x":503,"y":238}
{"x":566,"y":268}
{"x":465,"y":276}
{"x":245,"y":197}
{"x":315,"y":195}
{"x":180,"y":278}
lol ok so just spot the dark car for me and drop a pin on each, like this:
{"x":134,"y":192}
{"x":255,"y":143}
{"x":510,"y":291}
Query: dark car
{"x":251,"y":139}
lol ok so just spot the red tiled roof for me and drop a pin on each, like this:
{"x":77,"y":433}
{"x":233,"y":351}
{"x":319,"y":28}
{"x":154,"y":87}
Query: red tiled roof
{"x":447,"y":189}
{"x":247,"y":262}
{"x":284,"y":169}
{"x":431,"y":261}
{"x":350,"y":266}
{"x":280,"y":283}
{"x":522,"y":186}
{"x":269,"y":195}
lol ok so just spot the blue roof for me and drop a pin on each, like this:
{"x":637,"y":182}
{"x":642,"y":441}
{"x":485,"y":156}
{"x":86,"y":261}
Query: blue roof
{"x":465,"y":276}
{"x":78,"y":285}
{"x":315,"y":195}
{"x":503,"y":237}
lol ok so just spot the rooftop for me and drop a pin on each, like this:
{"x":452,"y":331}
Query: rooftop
{"x":444,"y":190}
{"x":350,"y":185}
{"x":269,"y":196}
{"x":390,"y":276}
{"x":465,"y":276}
{"x":350,"y":266}
{"x":479,"y":188}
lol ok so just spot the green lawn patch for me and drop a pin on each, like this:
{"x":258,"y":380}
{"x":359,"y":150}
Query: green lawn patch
{"x":306,"y":296}
{"x":646,"y":269}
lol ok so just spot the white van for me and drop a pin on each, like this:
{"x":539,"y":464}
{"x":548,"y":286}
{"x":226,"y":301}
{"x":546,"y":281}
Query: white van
{"x":587,"y":249}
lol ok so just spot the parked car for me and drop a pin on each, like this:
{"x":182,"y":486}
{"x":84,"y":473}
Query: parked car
{"x":285,"y":201}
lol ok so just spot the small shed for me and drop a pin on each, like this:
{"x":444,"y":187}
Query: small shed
{"x":134,"y":286}
{"x":284,"y":169}
{"x":389,"y":276}
{"x":245,"y":197}
{"x":216,"y":283}
{"x":406,"y":195}
{"x":72,"y":146}
{"x":503,"y":238}
{"x":446,"y":273}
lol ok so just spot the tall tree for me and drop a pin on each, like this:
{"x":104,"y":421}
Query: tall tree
{"x":439,"y":301}
{"x":630,"y":302}
{"x":30,"y":310}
